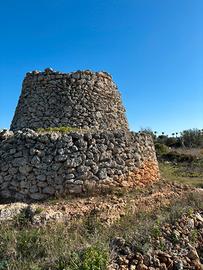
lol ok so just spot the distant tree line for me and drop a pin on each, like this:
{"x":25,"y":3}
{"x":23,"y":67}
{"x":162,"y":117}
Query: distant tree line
{"x":190,"y":138}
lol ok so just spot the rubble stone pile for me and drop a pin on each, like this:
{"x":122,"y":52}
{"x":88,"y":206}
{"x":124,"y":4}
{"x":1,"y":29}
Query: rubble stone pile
{"x":179,"y":246}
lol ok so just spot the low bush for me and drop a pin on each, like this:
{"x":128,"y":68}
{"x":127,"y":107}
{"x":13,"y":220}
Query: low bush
{"x":94,"y":258}
{"x":3,"y":265}
{"x":192,"y":138}
{"x":174,"y":156}
{"x":24,"y":218}
{"x":161,"y":149}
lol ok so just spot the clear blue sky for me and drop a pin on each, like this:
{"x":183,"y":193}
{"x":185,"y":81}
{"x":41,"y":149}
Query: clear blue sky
{"x":153,"y":49}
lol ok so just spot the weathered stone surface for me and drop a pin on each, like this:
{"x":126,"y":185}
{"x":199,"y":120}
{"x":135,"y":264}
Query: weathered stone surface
{"x":38,"y":196}
{"x":49,"y":190}
{"x":25,"y":169}
{"x":8,"y":212}
{"x":83,"y":99}
{"x":33,"y":176}
{"x":35,"y":165}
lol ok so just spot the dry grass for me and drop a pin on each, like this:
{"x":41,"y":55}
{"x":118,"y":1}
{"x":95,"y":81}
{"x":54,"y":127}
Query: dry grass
{"x":185,"y":173}
{"x":83,"y":244}
{"x":196,"y":152}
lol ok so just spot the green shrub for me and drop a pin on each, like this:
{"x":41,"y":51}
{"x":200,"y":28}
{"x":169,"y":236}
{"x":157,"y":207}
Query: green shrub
{"x":174,"y":156}
{"x":3,"y":265}
{"x":94,"y":258}
{"x":161,"y":149}
{"x":192,"y":138}
{"x":23,"y":219}
{"x":173,"y":142}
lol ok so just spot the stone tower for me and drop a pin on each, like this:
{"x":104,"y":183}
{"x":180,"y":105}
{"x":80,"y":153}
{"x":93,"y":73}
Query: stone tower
{"x":36,"y":162}
{"x":83,"y":99}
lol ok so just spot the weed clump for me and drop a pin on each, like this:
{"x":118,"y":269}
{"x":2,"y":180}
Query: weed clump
{"x":94,"y":258}
{"x":30,"y":244}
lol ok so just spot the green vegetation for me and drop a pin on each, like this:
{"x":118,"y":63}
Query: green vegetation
{"x":59,"y":129}
{"x":84,"y":244}
{"x":175,"y":156}
{"x":181,"y":165}
{"x":180,"y":156}
{"x":94,"y":259}
{"x":161,"y":149}
{"x":194,"y":236}
{"x":29,"y":244}
{"x":191,"y":138}
{"x":183,"y":173}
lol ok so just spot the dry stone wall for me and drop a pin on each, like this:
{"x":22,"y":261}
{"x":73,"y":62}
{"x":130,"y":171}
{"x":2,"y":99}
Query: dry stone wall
{"x":103,"y":153}
{"x":38,"y":165}
{"x":82,"y":99}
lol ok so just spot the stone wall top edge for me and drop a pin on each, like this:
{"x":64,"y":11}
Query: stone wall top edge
{"x":32,"y":133}
{"x":50,"y":71}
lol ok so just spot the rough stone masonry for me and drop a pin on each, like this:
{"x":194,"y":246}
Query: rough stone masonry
{"x":36,"y":163}
{"x":83,"y":99}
